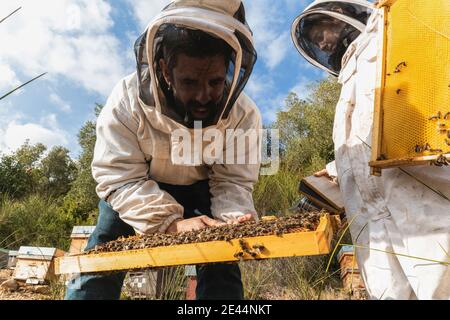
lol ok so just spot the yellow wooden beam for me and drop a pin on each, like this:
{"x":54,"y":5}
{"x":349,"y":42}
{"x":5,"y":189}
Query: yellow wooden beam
{"x":385,"y":3}
{"x":287,"y":245}
{"x":379,"y":91}
{"x":415,"y":161}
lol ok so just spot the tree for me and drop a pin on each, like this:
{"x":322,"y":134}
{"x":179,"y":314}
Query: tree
{"x":58,"y":171}
{"x":14,"y":179}
{"x":19,"y":172}
{"x":82,"y":200}
{"x":30,"y":155}
{"x":306,"y":128}
{"x":306,"y":145}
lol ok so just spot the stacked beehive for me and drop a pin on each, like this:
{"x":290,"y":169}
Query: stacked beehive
{"x":350,"y":273}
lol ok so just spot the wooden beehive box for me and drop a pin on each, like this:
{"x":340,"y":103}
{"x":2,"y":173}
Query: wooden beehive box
{"x":3,"y":257}
{"x":347,"y":259}
{"x":350,"y":273}
{"x":141,"y":284}
{"x":275,"y":246}
{"x":79,"y":238}
{"x":36,"y":264}
{"x":352,"y":280}
{"x":12,"y":259}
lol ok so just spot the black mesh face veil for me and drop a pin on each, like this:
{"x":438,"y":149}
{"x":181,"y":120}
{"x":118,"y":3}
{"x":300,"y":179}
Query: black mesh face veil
{"x":312,"y":41}
{"x":142,"y":70}
{"x":191,"y":36}
{"x":360,"y":12}
{"x":323,"y":33}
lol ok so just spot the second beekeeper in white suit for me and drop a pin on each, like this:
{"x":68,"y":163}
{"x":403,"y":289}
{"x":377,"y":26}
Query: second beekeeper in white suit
{"x":400,"y":222}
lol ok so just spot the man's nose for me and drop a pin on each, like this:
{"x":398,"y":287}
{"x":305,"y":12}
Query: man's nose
{"x":204,"y":94}
{"x":323,"y":45}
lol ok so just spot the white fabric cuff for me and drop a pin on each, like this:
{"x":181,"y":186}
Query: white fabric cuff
{"x":331,"y":169}
{"x":168,"y":221}
{"x":233,"y":215}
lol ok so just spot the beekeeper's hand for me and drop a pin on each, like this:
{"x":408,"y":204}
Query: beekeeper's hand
{"x":197,"y":223}
{"x":324,"y":173}
{"x":244,"y":218}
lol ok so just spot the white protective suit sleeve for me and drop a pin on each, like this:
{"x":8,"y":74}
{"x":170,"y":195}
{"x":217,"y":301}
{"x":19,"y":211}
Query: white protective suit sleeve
{"x":231,"y":185}
{"x":121,"y":171}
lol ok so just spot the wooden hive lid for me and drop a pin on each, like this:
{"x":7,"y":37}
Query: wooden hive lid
{"x":345,"y":250}
{"x":82,"y":231}
{"x":38,"y":253}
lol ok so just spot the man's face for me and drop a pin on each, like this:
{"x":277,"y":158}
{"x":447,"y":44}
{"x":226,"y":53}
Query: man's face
{"x":326,"y":35}
{"x":198,"y":84}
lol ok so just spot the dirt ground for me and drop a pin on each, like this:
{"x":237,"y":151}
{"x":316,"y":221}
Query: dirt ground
{"x":22,"y":295}
{"x":27,"y":293}
{"x":23,"y":292}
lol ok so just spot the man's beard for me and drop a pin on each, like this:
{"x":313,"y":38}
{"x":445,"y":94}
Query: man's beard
{"x":195,"y":111}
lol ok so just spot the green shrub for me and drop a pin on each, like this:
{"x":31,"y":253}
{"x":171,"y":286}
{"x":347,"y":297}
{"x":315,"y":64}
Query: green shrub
{"x":33,"y":221}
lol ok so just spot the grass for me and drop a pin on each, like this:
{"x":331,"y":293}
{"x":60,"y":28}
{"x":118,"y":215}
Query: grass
{"x":275,"y":194}
{"x":292,"y":278}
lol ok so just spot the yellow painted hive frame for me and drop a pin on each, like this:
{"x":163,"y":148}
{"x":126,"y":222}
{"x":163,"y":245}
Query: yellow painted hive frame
{"x":414,"y":85}
{"x":287,"y":245}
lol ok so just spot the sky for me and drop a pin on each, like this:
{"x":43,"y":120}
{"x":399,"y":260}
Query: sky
{"x":86,"y":47}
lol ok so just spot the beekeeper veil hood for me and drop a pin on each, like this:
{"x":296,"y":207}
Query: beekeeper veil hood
{"x":325,"y":29}
{"x":199,"y":29}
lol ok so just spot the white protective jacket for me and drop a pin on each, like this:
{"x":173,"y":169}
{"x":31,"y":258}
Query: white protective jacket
{"x":394,"y":213}
{"x":134,"y":151}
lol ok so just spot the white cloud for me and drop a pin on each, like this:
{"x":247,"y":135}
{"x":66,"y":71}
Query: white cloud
{"x":69,"y":38}
{"x":60,"y":103}
{"x":16,"y":128}
{"x":258,"y":86}
{"x":261,"y":89}
{"x":277,"y":50}
{"x":50,"y":121}
{"x":270,"y":30}
{"x":296,"y":4}
{"x":8,"y":79}
{"x":301,"y":88}
{"x":146,"y":10}
{"x":16,"y":134}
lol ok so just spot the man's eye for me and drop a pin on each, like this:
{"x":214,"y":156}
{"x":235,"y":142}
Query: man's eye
{"x":217,"y":82}
{"x":189,"y":82}
{"x":320,"y":38}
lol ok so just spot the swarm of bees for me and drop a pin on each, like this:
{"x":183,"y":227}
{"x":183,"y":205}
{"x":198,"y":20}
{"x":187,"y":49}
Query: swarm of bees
{"x":442,"y":127}
{"x":253,"y":251}
{"x":425,"y":147}
{"x":293,"y":223}
{"x":439,"y":116}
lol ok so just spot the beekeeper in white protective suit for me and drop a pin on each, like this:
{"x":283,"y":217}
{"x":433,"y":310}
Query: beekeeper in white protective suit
{"x":400,"y":212}
{"x":193,"y":62}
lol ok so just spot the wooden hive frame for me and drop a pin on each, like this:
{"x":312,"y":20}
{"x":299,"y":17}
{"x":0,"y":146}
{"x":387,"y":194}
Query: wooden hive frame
{"x":385,"y":86}
{"x":287,"y":245}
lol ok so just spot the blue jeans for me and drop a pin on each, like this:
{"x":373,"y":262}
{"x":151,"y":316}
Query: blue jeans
{"x":214,"y":281}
